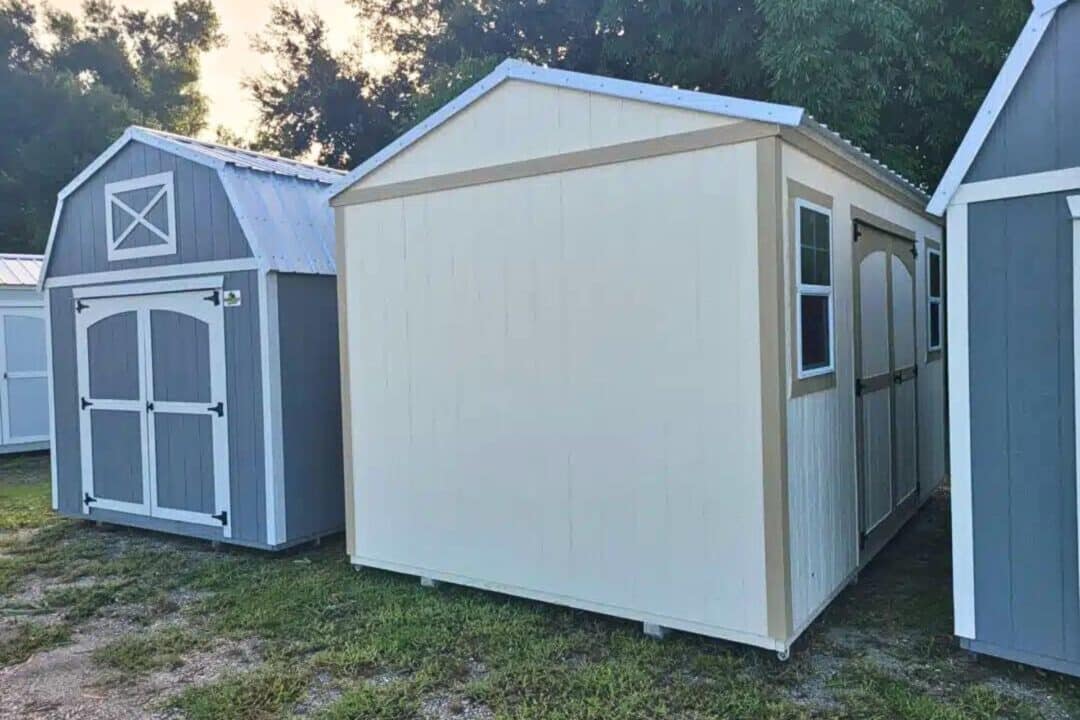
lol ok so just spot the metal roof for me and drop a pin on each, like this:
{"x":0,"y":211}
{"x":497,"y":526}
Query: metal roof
{"x":279,"y":203}
{"x":784,"y":115}
{"x":19,"y":270}
{"x":1042,"y":15}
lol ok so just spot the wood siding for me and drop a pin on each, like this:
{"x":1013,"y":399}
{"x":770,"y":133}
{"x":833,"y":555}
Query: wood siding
{"x":522,"y":121}
{"x":206,"y":226}
{"x":821,"y":425}
{"x":556,"y":391}
{"x":1023,"y":471}
{"x":1036,"y":131}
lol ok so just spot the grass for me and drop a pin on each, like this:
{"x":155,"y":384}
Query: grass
{"x":390,"y":649}
{"x":28,"y":638}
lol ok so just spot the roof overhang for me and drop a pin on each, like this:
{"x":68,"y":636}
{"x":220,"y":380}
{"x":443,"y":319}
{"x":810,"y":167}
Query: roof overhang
{"x":1031,"y":36}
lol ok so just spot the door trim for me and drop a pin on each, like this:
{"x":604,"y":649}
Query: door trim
{"x":156,"y":287}
{"x":169,"y":297}
{"x":872,"y":538}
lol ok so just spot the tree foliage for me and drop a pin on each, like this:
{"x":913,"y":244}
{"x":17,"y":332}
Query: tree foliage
{"x":902,"y":78}
{"x":70,"y":85}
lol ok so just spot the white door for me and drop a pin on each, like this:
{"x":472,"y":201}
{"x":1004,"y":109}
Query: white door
{"x":24,"y":386}
{"x":886,"y":397}
{"x":152,"y":399}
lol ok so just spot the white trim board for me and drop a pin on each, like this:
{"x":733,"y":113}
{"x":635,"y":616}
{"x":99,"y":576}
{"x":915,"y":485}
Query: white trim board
{"x":161,"y":287}
{"x":963,"y":543}
{"x":273,"y":442}
{"x":999,"y":94}
{"x":1074,"y":210}
{"x":54,"y":480}
{"x":150,"y":274}
{"x":1043,"y":183}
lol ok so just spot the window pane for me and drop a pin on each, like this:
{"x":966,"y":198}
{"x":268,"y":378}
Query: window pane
{"x":814,"y":247}
{"x":935,"y":275}
{"x":935,"y":325}
{"x":815,"y":331}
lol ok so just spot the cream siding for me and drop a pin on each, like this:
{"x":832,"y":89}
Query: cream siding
{"x":821,"y":426}
{"x":522,"y":121}
{"x":555,"y":381}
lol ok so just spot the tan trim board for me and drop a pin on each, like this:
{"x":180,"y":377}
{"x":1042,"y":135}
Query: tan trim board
{"x":868,"y":218}
{"x":739,"y":132}
{"x":802,"y":140}
{"x":773,"y":389}
{"x":819,"y":383}
{"x":346,"y":387}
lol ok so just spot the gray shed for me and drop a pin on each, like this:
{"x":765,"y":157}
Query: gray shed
{"x":1012,"y":196}
{"x":24,"y":390}
{"x":192,"y":320}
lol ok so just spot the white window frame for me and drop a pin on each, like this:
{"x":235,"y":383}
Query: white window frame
{"x":138,"y":217}
{"x":934,"y":304}
{"x":813,"y":290}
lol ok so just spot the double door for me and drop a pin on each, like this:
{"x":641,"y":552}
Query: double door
{"x":153,"y":425}
{"x":886,"y":384}
{"x":24,"y":377}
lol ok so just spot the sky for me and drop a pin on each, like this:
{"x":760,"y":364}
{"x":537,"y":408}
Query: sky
{"x":224,"y":70}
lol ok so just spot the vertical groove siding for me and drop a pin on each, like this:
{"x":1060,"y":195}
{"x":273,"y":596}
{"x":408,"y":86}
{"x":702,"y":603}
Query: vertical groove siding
{"x":822,"y":483}
{"x":311,"y":404}
{"x":1036,"y":130}
{"x":206,"y":226}
{"x":1023,"y":466}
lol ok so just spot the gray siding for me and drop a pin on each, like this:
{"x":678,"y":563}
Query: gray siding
{"x":311,"y":405}
{"x":1036,"y":130}
{"x":206,"y":226}
{"x":245,"y":413}
{"x":1023,"y":467}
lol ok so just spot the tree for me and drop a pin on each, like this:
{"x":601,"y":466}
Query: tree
{"x":901,"y":78}
{"x":315,"y":101}
{"x":63,"y":101}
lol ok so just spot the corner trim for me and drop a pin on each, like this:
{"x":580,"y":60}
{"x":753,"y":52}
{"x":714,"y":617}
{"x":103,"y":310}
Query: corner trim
{"x":346,"y":383}
{"x":739,"y":132}
{"x":54,"y":480}
{"x":956,"y":273}
{"x":273,"y":449}
{"x":771,"y":293}
{"x":1074,"y":210}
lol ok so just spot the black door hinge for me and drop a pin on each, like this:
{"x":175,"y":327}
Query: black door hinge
{"x":858,"y":387}
{"x":87,"y":499}
{"x":858,"y":232}
{"x":222,"y":517}
{"x":862,"y":541}
{"x":149,"y":407}
{"x":219,"y":409}
{"x":914,"y":251}
{"x":80,"y":306}
{"x":84,"y":403}
{"x":214,"y":297}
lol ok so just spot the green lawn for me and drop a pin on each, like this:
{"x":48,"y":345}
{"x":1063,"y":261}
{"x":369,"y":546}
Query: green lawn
{"x":374,"y":645}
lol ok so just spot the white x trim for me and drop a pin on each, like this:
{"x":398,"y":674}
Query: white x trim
{"x":139,"y":217}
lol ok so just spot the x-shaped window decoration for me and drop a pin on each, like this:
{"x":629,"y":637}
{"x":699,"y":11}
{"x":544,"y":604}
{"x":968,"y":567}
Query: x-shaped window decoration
{"x":132,"y":219}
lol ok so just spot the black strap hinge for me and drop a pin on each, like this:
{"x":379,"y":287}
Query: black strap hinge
{"x":219,"y":409}
{"x":87,"y":499}
{"x":858,"y":387}
{"x":214,"y":297}
{"x":862,"y":541}
{"x":80,"y":306}
{"x":84,"y":403}
{"x":222,"y":517}
{"x":149,"y":407}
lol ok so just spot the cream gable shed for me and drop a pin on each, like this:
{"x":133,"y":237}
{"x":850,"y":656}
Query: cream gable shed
{"x":569,"y":309}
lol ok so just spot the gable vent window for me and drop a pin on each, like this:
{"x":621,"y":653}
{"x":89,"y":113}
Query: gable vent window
{"x":814,"y":308}
{"x":934,"y":300}
{"x":140,"y":217}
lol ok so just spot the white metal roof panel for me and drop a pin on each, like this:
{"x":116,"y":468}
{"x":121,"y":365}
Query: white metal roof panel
{"x":19,"y":270}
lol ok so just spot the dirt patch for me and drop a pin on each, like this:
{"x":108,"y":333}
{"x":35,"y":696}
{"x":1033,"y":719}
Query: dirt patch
{"x":446,"y":707}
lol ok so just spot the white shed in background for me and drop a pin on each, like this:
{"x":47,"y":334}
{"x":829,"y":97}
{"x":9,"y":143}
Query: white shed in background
{"x":24,"y":377}
{"x":659,"y":354}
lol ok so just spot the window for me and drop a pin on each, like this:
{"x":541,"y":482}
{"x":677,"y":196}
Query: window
{"x":934,"y":297}
{"x":814,"y":311}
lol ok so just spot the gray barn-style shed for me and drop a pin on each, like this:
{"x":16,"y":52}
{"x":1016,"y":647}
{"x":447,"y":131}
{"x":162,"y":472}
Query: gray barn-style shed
{"x":191,"y":305}
{"x":1012,"y":196}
